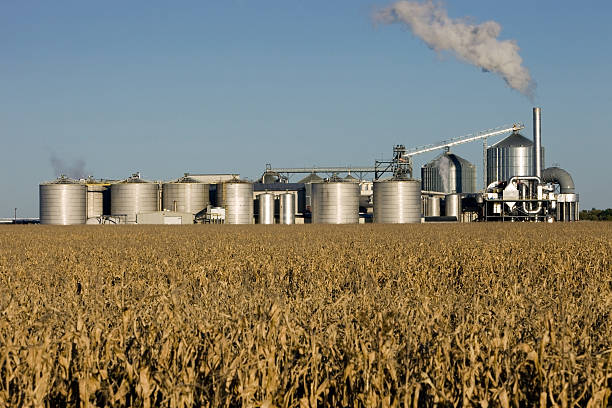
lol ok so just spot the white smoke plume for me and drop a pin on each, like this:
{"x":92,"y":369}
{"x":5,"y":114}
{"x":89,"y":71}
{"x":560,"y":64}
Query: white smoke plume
{"x":74,"y":169}
{"x":476,"y":44}
{"x":444,"y":172}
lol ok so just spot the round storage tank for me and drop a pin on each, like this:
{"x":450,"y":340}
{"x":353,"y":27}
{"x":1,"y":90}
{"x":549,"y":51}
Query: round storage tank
{"x":432,"y":207}
{"x":63,"y":202}
{"x":237,"y":198}
{"x":134,"y":196}
{"x":335,"y":202}
{"x":452,"y":206}
{"x":512,"y":156}
{"x":449,"y":173}
{"x":287,"y":208}
{"x":266,"y":208}
{"x":185,"y":195}
{"x":397,"y":201}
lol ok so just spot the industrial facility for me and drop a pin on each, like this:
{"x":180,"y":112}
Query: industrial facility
{"x":516,"y":187}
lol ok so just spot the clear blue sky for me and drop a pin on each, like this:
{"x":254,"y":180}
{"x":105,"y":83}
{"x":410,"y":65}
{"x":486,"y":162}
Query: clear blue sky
{"x":227,"y":86}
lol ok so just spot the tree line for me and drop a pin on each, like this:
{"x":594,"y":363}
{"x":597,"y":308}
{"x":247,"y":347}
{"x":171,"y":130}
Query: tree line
{"x":596,"y":215}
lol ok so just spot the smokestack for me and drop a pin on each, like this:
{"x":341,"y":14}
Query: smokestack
{"x":537,"y":142}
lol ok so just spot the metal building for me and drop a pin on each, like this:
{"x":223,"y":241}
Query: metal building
{"x":186,"y":195}
{"x":236,"y":197}
{"x":308,"y":181}
{"x":63,"y":202}
{"x":133,"y":196}
{"x":335,"y":202}
{"x":397,"y":201}
{"x":510,"y":157}
{"x":449,"y":173}
{"x":98,"y":198}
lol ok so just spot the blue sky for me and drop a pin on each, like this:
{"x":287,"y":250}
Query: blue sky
{"x":200,"y":86}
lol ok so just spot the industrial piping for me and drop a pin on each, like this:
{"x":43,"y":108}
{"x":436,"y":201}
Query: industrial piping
{"x":537,"y":142}
{"x":561,"y":177}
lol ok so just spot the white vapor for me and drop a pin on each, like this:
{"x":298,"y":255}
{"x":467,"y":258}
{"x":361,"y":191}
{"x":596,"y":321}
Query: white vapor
{"x":476,"y":44}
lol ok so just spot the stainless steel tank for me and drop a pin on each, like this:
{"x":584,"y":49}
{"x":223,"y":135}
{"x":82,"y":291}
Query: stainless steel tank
{"x":63,"y":202}
{"x":287,"y":208}
{"x":510,"y":157}
{"x":397,"y":201}
{"x":432,"y":207}
{"x":449,"y":173}
{"x":133,"y":196}
{"x":452,"y":206}
{"x":237,"y":198}
{"x":266,"y":208}
{"x":185,"y":195}
{"x":335,"y":202}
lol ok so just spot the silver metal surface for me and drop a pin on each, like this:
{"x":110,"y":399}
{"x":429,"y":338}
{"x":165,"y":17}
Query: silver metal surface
{"x":361,"y":169}
{"x":561,"y":177}
{"x":449,"y":173}
{"x":452,"y":206}
{"x":237,"y":198}
{"x":185,"y":195}
{"x":266,"y":208}
{"x":63,"y":202}
{"x":335,"y":202}
{"x":510,"y":157}
{"x":397,"y":201}
{"x":287,"y":208}
{"x":95,"y":199}
{"x":134,"y":196}
{"x":432,"y":207}
{"x":537,"y":142}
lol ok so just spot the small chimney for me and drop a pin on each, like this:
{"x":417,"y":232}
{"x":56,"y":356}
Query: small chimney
{"x":537,"y":142}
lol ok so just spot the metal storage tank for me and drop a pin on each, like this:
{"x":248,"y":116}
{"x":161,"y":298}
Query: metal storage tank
{"x":132,"y":196}
{"x":266,"y":208}
{"x":452,"y":206}
{"x":397,"y":201}
{"x":512,"y":156}
{"x":97,"y":197}
{"x":185,"y":195}
{"x":335,"y":202}
{"x":287,"y":209}
{"x":63,"y":202}
{"x":449,"y":173}
{"x":432,"y":207}
{"x":237,"y":198}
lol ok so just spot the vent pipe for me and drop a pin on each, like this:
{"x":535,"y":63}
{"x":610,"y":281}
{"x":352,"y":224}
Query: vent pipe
{"x":537,"y":142}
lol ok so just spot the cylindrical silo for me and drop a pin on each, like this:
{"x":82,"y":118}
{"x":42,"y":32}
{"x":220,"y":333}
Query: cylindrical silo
{"x":185,"y":195}
{"x":432,"y":207}
{"x":266,"y":208}
{"x":335,"y":202}
{"x":237,"y":198}
{"x":452,"y":206}
{"x":134,"y":196}
{"x":287,"y":208}
{"x":397,"y":201}
{"x":510,"y":157}
{"x":63,"y":202}
{"x":449,"y":173}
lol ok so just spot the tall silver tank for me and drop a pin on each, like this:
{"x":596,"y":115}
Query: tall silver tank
{"x":452,"y":206}
{"x":95,"y":199}
{"x":432,"y":207}
{"x":185,"y":195}
{"x":287,"y":209}
{"x":266,"y":208}
{"x":237,"y":198}
{"x":397,"y":201}
{"x":335,"y":202}
{"x":133,"y":196}
{"x":512,"y":156}
{"x":449,"y":173}
{"x":63,"y":202}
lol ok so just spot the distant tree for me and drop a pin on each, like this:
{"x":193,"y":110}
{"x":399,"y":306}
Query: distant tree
{"x":596,"y":215}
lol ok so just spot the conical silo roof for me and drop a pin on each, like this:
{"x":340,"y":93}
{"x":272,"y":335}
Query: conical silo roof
{"x":514,"y":140}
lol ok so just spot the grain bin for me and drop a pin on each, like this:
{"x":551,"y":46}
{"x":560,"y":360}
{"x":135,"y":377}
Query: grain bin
{"x":185,"y":195}
{"x":449,"y":173}
{"x":432,"y":207}
{"x":511,"y":157}
{"x":133,"y":196}
{"x":452,"y":206}
{"x":397,"y":201}
{"x":63,"y":202}
{"x":266,"y":208}
{"x":237,"y":199}
{"x":335,"y":202}
{"x":287,"y":208}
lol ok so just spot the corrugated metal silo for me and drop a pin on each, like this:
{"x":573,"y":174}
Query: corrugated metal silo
{"x":185,"y":195}
{"x":397,"y":201}
{"x":449,"y":173}
{"x":63,"y":202}
{"x":335,"y":202}
{"x":512,"y":156}
{"x":237,"y":198}
{"x":133,"y":196}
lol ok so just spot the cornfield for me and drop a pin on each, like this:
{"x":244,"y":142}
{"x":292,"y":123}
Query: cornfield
{"x":300,"y":316}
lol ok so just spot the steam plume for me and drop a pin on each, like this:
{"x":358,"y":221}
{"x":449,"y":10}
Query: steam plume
{"x":444,"y":172}
{"x":73,"y":169}
{"x":476,"y":44}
